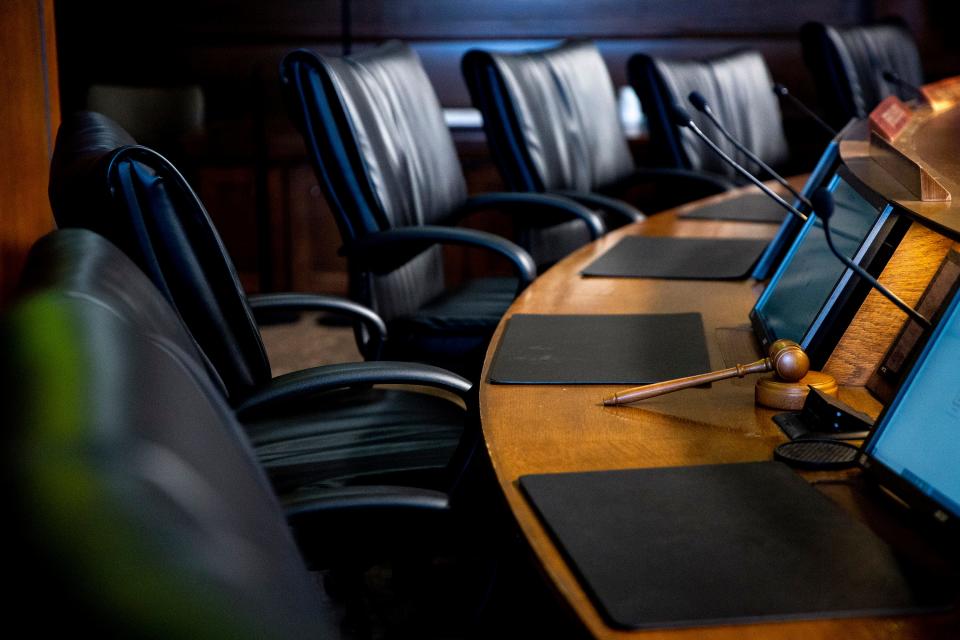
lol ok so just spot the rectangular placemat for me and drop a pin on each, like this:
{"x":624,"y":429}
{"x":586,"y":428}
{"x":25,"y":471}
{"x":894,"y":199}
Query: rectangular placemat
{"x":750,"y":207}
{"x":678,"y":258}
{"x":714,"y":544}
{"x":600,"y":349}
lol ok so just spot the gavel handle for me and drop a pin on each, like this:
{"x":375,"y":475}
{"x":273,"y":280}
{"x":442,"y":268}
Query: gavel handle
{"x":660,"y":388}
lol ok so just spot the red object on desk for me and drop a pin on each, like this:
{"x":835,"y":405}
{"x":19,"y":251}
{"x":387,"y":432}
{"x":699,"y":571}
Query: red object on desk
{"x":943,"y":94}
{"x":889,"y":118}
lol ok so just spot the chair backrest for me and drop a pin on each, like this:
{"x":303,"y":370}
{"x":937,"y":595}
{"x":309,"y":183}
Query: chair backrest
{"x":550,"y":117}
{"x":100,"y":181}
{"x":377,"y":135}
{"x":383,"y":155}
{"x":848,"y":65}
{"x":138,"y":506}
{"x":739,"y":89}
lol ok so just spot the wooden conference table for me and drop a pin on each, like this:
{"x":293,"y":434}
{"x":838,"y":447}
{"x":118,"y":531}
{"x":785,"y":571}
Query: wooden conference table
{"x":557,"y":428}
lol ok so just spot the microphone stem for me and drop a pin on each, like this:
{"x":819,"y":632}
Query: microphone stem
{"x":909,"y":87}
{"x":756,"y":159}
{"x":767,"y":190}
{"x":903,"y":84}
{"x":860,"y":271}
{"x":810,"y":113}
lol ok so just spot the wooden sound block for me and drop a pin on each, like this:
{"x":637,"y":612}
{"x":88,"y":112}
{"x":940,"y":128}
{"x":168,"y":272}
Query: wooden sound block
{"x":777,"y":394}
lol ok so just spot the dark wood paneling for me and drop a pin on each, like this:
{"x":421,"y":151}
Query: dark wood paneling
{"x":312,"y":237}
{"x":598,"y":18}
{"x":29,"y":113}
{"x":110,"y":41}
{"x":431,"y":19}
{"x":232,"y":49}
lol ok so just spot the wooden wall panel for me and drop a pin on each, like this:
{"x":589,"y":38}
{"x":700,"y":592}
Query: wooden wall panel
{"x":877,"y":323}
{"x":29,"y":116}
{"x":314,"y":265}
{"x":453,"y":19}
{"x":207,"y":40}
{"x":232,"y":49}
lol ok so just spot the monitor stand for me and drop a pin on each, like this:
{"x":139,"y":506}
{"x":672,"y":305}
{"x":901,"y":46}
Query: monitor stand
{"x":738,"y":345}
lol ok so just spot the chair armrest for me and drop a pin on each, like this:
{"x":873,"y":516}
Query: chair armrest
{"x":301,"y":385}
{"x":374,"y":324}
{"x":355,"y":525}
{"x":386,"y":250}
{"x":368,"y":498}
{"x":541,"y":206}
{"x":627,"y":213}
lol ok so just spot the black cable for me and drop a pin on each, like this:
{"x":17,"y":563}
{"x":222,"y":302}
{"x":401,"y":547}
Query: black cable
{"x":823,"y":206}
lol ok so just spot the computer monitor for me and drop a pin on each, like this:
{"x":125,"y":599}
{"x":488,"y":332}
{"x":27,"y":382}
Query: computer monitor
{"x":914,"y":448}
{"x":775,"y":252}
{"x":812,"y":296}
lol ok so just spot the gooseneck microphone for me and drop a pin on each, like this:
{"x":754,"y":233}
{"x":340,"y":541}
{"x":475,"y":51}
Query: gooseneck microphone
{"x":700,"y":103}
{"x":823,"y":206}
{"x":893,"y":78}
{"x":683,"y":119}
{"x":783,"y":92}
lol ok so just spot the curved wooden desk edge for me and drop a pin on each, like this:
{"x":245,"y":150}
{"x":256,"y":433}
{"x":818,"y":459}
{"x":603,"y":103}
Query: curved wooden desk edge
{"x":552,"y":428}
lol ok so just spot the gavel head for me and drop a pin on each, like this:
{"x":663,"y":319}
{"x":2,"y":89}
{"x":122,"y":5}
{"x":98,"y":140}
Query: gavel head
{"x":788,"y":360}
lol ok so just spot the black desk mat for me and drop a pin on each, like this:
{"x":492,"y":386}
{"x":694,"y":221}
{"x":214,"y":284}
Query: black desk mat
{"x":732,"y":543}
{"x":750,"y":207}
{"x":678,"y":258}
{"x":600,"y":349}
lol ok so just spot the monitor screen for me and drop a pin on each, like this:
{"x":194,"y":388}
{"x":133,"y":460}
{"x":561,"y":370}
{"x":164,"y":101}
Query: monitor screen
{"x":806,"y":295}
{"x":918,"y":437}
{"x":778,"y":246}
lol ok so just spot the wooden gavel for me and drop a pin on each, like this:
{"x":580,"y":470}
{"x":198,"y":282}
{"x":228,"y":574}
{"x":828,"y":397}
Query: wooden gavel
{"x":786,"y":358}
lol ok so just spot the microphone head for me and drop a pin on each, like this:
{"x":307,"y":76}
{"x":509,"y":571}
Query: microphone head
{"x":698,"y":101}
{"x":780,"y":89}
{"x":680,"y":116}
{"x":822,"y":201}
{"x":890,"y":76}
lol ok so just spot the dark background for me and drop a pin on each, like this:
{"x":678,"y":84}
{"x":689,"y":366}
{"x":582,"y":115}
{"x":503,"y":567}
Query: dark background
{"x":248,"y":158}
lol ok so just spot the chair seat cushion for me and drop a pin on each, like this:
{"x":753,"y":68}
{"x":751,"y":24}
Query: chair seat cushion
{"x":548,"y":244}
{"x":358,"y":436}
{"x":453,"y":330}
{"x":475,"y":307}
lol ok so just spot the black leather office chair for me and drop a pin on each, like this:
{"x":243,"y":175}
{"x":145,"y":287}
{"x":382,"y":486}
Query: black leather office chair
{"x":135,"y":503}
{"x":388,"y":167}
{"x":137,"y":506}
{"x":321,"y":425}
{"x":740,"y":91}
{"x":134,"y":498}
{"x":848,"y":63}
{"x":552,"y":123}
